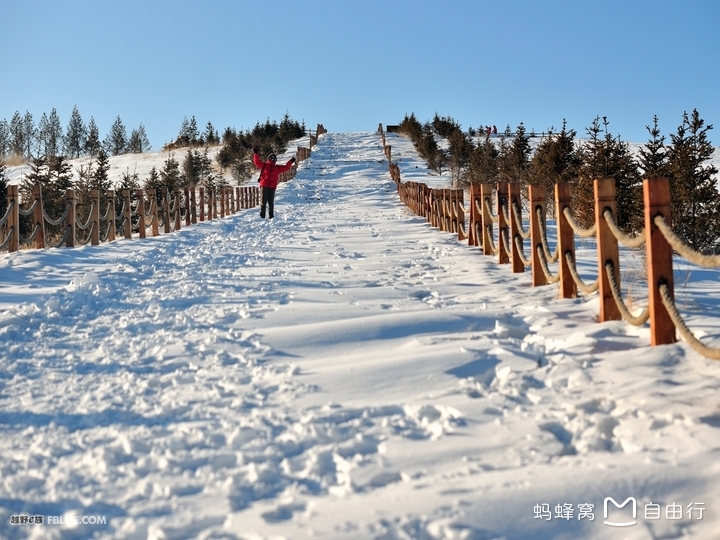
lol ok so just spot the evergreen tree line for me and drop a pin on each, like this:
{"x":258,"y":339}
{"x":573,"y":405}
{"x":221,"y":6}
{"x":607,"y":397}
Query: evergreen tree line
{"x":190,"y":135}
{"x":560,"y":157}
{"x":270,"y":137}
{"x":23,"y":138}
{"x":55,"y":176}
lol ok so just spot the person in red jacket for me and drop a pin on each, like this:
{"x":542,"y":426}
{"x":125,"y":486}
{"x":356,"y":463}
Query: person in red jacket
{"x":269,"y":173}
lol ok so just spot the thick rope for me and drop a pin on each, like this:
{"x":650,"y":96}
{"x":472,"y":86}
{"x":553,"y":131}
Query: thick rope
{"x":87,"y":223}
{"x":28,"y":239}
{"x":60,"y":220}
{"x":543,"y":239}
{"x":687,"y":335}
{"x":494,"y":219}
{"x":584,"y":287}
{"x":104,"y":237}
{"x":631,"y":242}
{"x":491,"y":242}
{"x":7,"y":213}
{"x":521,"y":255}
{"x":63,"y":240}
{"x":89,"y":236}
{"x":121,"y":215}
{"x":504,"y":242}
{"x":525,"y":235}
{"x":617,"y":295}
{"x":544,"y":266}
{"x":29,"y":210}
{"x":575,"y":226}
{"x":5,"y":242}
{"x":104,"y":217}
{"x":506,"y":217}
{"x":706,"y":261}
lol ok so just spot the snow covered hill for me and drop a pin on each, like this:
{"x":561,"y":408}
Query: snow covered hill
{"x":343,"y":371}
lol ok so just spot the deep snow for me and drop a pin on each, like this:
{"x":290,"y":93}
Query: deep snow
{"x":344,"y":371}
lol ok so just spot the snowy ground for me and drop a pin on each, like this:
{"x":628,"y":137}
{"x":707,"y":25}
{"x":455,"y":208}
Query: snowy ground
{"x":342,"y":372}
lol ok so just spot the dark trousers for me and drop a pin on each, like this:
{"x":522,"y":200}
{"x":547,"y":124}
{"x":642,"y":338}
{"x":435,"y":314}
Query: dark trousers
{"x":268,"y":199}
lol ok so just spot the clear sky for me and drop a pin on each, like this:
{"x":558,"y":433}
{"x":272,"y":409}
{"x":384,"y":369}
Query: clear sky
{"x":353,"y":64}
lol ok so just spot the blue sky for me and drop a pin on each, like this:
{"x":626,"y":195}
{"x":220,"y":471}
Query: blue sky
{"x":351,"y":65}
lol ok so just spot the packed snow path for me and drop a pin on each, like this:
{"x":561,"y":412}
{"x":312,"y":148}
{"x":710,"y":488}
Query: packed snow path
{"x":343,"y":371}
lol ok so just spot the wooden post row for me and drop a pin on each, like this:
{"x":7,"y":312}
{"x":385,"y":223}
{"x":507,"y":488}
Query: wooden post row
{"x":656,"y":196}
{"x":607,"y":248}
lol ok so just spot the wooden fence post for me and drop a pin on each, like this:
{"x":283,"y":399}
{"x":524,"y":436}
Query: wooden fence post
{"x":517,"y":265}
{"x":111,"y":215}
{"x":536,"y":194}
{"x":152,"y":195}
{"x":166,"y":211}
{"x":38,"y":217}
{"x":95,"y":219}
{"x":188,"y":212}
{"x":566,"y":240}
{"x":474,"y":197}
{"x":127,"y":213}
{"x":142,"y":224}
{"x":656,"y":196}
{"x":222,"y":202}
{"x":178,"y":214}
{"x":607,"y":247}
{"x":13,"y":201}
{"x":202,"y":203}
{"x":485,"y":219}
{"x":70,"y":220}
{"x":459,"y":203}
{"x":502,"y":201}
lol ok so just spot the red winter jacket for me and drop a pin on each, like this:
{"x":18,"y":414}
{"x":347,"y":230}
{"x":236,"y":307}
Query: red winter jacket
{"x":270,"y":171}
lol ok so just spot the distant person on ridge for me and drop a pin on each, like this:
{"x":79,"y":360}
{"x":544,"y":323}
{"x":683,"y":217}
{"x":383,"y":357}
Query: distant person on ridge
{"x":269,"y":174}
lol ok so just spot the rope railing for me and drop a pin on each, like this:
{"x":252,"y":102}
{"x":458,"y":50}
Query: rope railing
{"x":525,"y":235}
{"x":631,"y":242}
{"x":138,"y":212}
{"x":706,"y":261}
{"x":699,"y":347}
{"x":553,"y":258}
{"x":584,"y":287}
{"x":544,"y":266}
{"x":582,"y":232}
{"x":657,"y":238}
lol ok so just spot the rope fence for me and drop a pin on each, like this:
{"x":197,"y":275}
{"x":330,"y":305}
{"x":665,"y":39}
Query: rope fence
{"x":445,"y":210}
{"x":141,"y":211}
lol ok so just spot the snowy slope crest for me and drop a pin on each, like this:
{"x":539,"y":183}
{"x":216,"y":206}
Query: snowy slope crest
{"x":343,"y":371}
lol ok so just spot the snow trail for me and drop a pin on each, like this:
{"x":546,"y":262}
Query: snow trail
{"x":341,"y":371}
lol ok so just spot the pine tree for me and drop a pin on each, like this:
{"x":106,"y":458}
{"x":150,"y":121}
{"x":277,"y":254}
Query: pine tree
{"x":653,"y":160}
{"x":190,"y":169}
{"x":92,"y":143}
{"x":695,"y":202}
{"x":483,"y":162}
{"x":4,"y":139}
{"x":3,"y":187}
{"x":75,"y":135}
{"x":211,"y":135}
{"x":116,"y":141}
{"x":17,"y":135}
{"x":170,"y":176}
{"x":28,"y":126}
{"x":555,"y":160}
{"x":138,"y":142}
{"x":515,"y":162}
{"x":131,"y":182}
{"x":42,"y":136}
{"x":460,"y":149}
{"x":153,"y":181}
{"x":606,"y":156}
{"x":429,"y":150}
{"x":54,"y":136}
